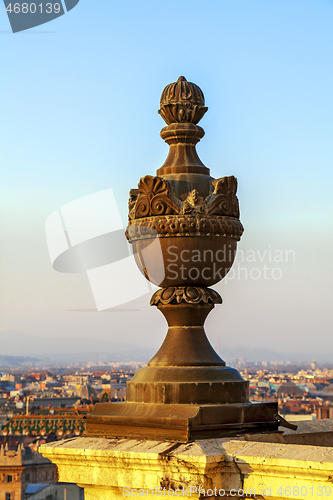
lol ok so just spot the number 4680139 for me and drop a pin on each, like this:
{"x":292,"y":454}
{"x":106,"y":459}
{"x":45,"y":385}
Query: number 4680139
{"x":32,"y":8}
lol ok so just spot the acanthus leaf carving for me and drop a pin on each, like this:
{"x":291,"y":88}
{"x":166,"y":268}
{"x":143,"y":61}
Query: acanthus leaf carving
{"x":224,"y":185}
{"x":194,"y":203}
{"x":223,"y":201}
{"x":155,"y":197}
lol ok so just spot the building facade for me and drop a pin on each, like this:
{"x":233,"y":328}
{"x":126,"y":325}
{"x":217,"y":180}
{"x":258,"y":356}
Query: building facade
{"x":21,"y":467}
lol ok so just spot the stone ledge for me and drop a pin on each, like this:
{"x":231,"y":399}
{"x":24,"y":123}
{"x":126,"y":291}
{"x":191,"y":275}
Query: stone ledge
{"x":279,"y":469}
{"x":105,"y":466}
{"x":115,"y":463}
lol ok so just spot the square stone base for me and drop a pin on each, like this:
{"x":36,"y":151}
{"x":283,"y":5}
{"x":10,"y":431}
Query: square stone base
{"x":181,"y":423}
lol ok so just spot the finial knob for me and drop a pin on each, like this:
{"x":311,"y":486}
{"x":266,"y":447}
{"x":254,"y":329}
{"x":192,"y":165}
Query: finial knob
{"x":182,"y":101}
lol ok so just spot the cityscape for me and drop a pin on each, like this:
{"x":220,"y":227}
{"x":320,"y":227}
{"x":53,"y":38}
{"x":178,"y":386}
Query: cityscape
{"x":49,"y":405}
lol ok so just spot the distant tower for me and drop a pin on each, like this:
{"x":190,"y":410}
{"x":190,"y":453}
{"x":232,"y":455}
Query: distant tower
{"x":314,"y":365}
{"x":246,"y":373}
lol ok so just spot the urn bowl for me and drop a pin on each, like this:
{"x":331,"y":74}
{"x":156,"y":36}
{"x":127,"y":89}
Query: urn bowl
{"x":185,"y":260}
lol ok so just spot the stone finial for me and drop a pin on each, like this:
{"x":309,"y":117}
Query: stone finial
{"x":182,"y":101}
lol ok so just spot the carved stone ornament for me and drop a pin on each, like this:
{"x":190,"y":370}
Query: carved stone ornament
{"x":194,"y":203}
{"x":224,"y":200}
{"x":182,"y":101}
{"x":187,"y":294}
{"x":165,"y":226}
{"x":156,"y":196}
{"x":184,"y":227}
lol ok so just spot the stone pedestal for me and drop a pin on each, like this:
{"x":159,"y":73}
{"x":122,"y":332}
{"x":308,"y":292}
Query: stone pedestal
{"x":184,"y":227}
{"x":186,"y":392}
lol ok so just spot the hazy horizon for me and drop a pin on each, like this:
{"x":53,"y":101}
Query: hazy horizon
{"x":84,"y":349}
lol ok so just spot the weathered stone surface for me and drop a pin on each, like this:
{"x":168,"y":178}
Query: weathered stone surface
{"x":106,"y":466}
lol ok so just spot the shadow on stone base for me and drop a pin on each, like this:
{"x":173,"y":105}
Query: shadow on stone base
{"x":181,"y":423}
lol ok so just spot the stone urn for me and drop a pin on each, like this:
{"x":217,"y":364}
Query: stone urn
{"x":184,"y":227}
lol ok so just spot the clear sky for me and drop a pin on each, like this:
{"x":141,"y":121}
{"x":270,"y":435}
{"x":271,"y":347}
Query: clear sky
{"x":79,"y":101}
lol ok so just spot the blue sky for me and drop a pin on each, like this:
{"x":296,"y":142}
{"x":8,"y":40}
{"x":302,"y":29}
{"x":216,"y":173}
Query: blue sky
{"x":79,"y":114}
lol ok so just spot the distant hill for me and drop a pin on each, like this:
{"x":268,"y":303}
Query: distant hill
{"x":64,"y":349}
{"x":262,"y":355}
{"x":10,"y":361}
{"x":69,"y":350}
